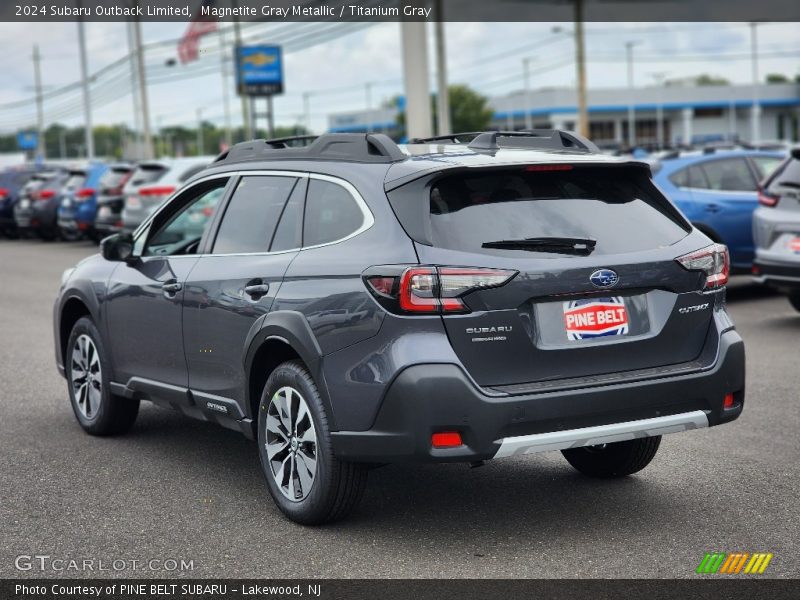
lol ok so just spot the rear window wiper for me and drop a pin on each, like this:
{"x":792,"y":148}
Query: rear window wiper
{"x":560,"y":245}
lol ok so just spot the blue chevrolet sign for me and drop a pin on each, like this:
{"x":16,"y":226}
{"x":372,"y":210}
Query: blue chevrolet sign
{"x":27,"y":140}
{"x":259,"y":70}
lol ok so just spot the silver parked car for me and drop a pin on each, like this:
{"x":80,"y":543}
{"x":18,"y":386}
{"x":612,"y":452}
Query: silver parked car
{"x":153,"y":182}
{"x":776,"y":230}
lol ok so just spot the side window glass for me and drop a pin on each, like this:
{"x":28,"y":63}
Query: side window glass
{"x":697,"y":179}
{"x":252,"y":214}
{"x":766,"y":164}
{"x":181,"y":232}
{"x":331,"y":213}
{"x":680,"y":178}
{"x":732,"y":174}
{"x":289,"y":234}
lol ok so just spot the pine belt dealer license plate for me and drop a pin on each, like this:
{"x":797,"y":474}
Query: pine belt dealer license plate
{"x":592,"y":318}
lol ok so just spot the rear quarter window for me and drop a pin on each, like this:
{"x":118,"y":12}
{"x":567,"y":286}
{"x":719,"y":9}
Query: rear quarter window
{"x":331,"y":214}
{"x":618,"y":207}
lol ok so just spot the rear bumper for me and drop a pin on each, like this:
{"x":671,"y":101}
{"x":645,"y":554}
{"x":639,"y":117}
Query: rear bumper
{"x":424,"y":399}
{"x":778,"y":274}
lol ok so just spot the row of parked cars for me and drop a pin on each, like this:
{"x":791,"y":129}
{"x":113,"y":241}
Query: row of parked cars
{"x":745,"y":198}
{"x":87,"y":200}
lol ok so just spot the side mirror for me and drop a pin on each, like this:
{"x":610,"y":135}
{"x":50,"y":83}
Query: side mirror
{"x":118,"y":247}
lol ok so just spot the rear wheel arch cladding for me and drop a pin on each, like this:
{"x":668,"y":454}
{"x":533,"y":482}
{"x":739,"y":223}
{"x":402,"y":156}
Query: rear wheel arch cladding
{"x":289,"y":332}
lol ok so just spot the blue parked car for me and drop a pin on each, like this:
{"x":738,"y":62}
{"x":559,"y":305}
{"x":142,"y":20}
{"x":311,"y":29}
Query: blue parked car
{"x":79,"y":204}
{"x":718,"y":192}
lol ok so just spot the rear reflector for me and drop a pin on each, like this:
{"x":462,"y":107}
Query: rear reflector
{"x":713,"y":261}
{"x":446,"y":439}
{"x":728,"y":403}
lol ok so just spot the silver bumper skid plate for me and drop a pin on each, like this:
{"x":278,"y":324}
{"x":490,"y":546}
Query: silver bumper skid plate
{"x":601,"y":434}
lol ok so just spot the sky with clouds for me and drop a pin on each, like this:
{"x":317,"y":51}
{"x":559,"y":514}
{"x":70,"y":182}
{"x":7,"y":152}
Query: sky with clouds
{"x":335,"y":61}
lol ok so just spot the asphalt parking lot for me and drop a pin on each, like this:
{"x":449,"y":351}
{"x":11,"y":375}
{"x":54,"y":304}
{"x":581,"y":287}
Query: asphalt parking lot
{"x":181,"y":489}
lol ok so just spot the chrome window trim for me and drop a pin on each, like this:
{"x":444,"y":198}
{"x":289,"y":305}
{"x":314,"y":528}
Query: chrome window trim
{"x":369,"y":218}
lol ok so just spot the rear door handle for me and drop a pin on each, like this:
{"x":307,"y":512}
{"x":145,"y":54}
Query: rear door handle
{"x":256,"y":288}
{"x":713,"y":208}
{"x":171,"y":287}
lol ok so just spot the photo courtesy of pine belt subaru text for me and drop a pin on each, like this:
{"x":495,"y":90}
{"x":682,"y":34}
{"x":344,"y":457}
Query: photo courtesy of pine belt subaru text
{"x":349,"y":302}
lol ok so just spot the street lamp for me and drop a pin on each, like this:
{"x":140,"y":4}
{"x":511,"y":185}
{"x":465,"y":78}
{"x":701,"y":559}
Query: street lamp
{"x":526,"y":74}
{"x":659,"y":78}
{"x":631,"y":116}
{"x":755,"y":131}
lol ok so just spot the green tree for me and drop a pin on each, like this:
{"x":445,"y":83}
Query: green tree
{"x":469,"y":111}
{"x":776,"y":78}
{"x":706,"y":79}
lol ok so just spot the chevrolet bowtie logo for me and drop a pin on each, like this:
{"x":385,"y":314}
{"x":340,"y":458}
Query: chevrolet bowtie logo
{"x":734,"y":563}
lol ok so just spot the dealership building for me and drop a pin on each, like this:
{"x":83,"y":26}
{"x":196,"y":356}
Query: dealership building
{"x":674,"y":113}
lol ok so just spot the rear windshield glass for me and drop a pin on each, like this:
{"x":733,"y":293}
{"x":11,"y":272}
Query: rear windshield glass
{"x":75,"y":181}
{"x":113,"y":179}
{"x":147,"y":174}
{"x":618,"y":208}
{"x":789,"y":175}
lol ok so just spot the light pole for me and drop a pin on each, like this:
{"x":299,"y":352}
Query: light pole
{"x":526,"y":76}
{"x":659,"y":78}
{"x":443,"y":96}
{"x":200,"y":148}
{"x":631,"y":111}
{"x":226,"y":102}
{"x":368,"y":98}
{"x":755,"y":127}
{"x":41,"y":147}
{"x":87,"y":103}
{"x":142,"y":80}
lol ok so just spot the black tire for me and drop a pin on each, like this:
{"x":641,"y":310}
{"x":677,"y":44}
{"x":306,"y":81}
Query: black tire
{"x":115,"y":414}
{"x":614,"y":460}
{"x":794,"y":300}
{"x":337,"y":485}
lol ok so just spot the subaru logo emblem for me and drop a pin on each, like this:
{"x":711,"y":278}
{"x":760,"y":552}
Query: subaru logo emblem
{"x":604,"y":278}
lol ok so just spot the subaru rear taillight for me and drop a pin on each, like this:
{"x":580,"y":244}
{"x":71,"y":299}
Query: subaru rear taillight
{"x":433,"y":290}
{"x":766,"y":199}
{"x":44,"y":195}
{"x":713,"y":261}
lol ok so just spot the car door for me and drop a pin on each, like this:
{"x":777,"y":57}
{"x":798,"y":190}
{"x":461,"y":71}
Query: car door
{"x":235,"y":282}
{"x":727,"y":200}
{"x":144,"y":298}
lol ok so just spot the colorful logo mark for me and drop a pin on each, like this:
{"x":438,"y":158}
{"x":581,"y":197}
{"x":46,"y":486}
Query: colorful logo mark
{"x":734,"y":563}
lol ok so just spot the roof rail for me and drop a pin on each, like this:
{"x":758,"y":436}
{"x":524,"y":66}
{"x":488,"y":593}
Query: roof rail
{"x":355,"y":147}
{"x":545,"y":139}
{"x":450,"y":137}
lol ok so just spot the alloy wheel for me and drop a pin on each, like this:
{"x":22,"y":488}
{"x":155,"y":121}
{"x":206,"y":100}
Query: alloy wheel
{"x":291,"y":444}
{"x":86,"y":376}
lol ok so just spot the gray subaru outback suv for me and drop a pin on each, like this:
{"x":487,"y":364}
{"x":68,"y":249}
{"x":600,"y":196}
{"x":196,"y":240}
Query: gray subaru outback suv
{"x":352,"y":302}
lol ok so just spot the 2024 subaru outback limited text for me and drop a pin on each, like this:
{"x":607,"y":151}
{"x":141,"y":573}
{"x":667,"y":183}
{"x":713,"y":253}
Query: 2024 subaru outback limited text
{"x":353,"y":302}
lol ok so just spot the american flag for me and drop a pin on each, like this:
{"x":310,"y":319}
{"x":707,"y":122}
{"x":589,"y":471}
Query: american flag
{"x":188,"y":46}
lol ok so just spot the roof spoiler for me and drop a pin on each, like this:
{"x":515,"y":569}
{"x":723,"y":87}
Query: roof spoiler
{"x":539,"y":139}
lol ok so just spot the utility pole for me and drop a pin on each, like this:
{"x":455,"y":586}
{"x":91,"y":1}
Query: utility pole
{"x":142,"y":78}
{"x":137,"y":113}
{"x":415,"y":78}
{"x":368,"y":98}
{"x":526,"y":76}
{"x":631,"y":111}
{"x":200,"y":149}
{"x":87,"y":103}
{"x":307,"y":111}
{"x":580,"y":70}
{"x":248,"y":125}
{"x":41,"y":147}
{"x":226,"y":101}
{"x":755,"y":113}
{"x":443,"y":125}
